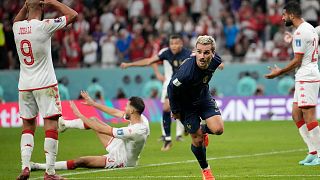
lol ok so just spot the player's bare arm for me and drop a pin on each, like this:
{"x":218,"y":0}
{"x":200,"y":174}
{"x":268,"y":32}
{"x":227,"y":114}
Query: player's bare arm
{"x":159,"y":76}
{"x":70,"y":14}
{"x":276,"y":71}
{"x":22,"y":15}
{"x":221,"y":66}
{"x":142,"y":62}
{"x":91,"y":122}
{"x":90,"y":102}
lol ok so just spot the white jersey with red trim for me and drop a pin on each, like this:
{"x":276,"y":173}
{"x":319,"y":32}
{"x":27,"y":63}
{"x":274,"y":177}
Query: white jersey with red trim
{"x":134,"y":137}
{"x":33,"y":42}
{"x":305,"y":41}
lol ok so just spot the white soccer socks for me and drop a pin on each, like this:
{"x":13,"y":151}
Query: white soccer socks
{"x":303,"y":130}
{"x":51,"y":150}
{"x":26,"y":145}
{"x":314,"y":133}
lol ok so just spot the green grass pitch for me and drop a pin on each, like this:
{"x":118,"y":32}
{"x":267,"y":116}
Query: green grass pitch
{"x":246,"y":150}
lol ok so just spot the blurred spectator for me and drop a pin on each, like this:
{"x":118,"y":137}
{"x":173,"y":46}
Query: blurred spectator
{"x":235,"y":25}
{"x":89,"y":51}
{"x":152,"y":46}
{"x":135,"y":8}
{"x":136,"y":50}
{"x":156,"y":7}
{"x":310,"y":11}
{"x":72,"y":49}
{"x":97,"y":34}
{"x":285,"y":85}
{"x":123,"y":44}
{"x":56,"y":53}
{"x":281,"y":49}
{"x":106,"y":19}
{"x":163,"y":25}
{"x":253,"y":55}
{"x":81,"y":26}
{"x":247,"y":85}
{"x":95,"y":89}
{"x":152,"y":88}
{"x":215,"y":8}
{"x":275,"y":20}
{"x":63,"y":90}
{"x":197,"y":7}
{"x":230,"y":32}
{"x":108,"y":50}
{"x":13,"y":61}
{"x":3,"y":51}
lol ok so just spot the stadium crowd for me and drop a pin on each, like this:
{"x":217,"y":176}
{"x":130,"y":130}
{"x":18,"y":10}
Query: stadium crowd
{"x":113,"y":31}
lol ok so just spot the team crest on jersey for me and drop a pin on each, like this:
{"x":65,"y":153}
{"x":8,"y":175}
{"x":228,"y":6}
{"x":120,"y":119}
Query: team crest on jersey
{"x":57,"y":20}
{"x":120,"y":132}
{"x":205,"y":79}
{"x":175,"y":63}
{"x":298,"y":42}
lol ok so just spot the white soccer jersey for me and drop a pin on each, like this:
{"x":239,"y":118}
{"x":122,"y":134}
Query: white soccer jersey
{"x":305,"y":41}
{"x":33,"y":42}
{"x":134,"y":137}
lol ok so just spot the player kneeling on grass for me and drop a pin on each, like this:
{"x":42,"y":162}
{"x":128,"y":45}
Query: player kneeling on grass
{"x":123,"y":144}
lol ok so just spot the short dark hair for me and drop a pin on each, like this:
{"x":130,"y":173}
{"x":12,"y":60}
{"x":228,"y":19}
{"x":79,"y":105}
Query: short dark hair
{"x":175,"y":36}
{"x":137,"y":103}
{"x":293,"y":7}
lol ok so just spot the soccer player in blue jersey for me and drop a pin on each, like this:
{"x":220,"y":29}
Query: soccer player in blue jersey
{"x":172,"y":58}
{"x":191,"y":101}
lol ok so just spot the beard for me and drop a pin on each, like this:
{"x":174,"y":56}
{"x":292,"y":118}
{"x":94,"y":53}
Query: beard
{"x":288,"y":23}
{"x":127,"y":116}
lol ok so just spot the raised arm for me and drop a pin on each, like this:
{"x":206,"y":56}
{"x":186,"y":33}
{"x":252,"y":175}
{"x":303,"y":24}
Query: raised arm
{"x":111,"y":111}
{"x":93,"y":123}
{"x":276,"y":71}
{"x":159,"y":76}
{"x":70,"y":14}
{"x":22,"y":15}
{"x":142,"y":62}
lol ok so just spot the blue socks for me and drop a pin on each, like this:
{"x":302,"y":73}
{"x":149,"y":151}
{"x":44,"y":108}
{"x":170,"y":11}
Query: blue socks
{"x":167,"y":123}
{"x":200,"y":154}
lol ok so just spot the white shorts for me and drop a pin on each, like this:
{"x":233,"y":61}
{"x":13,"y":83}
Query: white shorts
{"x":306,"y":93}
{"x":116,"y":157}
{"x":46,"y":101}
{"x":164,"y":91}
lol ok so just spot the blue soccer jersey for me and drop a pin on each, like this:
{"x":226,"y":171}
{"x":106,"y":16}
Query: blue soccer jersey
{"x":189,"y":86}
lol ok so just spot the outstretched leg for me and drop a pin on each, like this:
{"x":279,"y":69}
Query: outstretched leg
{"x":85,"y":162}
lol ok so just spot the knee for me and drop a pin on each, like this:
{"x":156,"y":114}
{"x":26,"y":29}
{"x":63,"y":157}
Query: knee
{"x":197,"y":140}
{"x":219,"y":131}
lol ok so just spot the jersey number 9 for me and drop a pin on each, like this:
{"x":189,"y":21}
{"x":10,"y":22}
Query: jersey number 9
{"x":26,"y":45}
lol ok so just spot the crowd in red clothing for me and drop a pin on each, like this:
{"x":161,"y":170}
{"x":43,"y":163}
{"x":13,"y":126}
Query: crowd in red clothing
{"x":113,"y":31}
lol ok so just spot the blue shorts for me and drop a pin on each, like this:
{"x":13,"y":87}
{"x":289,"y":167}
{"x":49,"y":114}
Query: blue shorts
{"x":191,"y":117}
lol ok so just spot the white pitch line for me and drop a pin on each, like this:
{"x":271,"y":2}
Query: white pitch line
{"x":180,"y":162}
{"x":183,"y":177}
{"x":138,"y":177}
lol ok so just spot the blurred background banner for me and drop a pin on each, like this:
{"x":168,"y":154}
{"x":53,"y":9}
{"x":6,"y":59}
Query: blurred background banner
{"x":254,"y":108}
{"x":9,"y":112}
